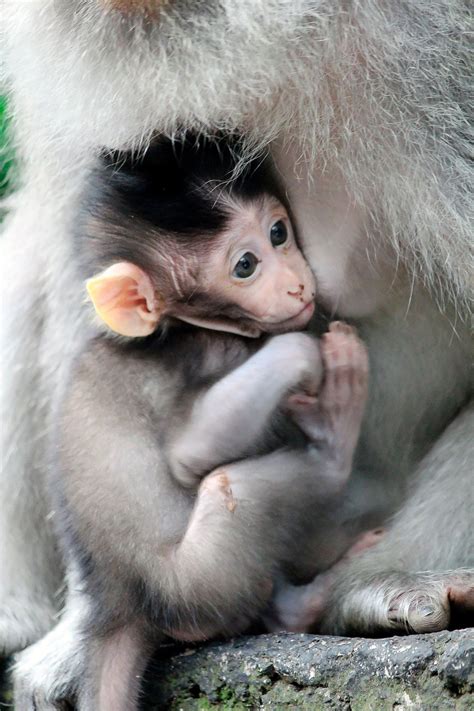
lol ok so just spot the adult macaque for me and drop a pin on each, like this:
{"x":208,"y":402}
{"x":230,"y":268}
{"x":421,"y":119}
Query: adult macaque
{"x":144,"y":422}
{"x":364,"y":106}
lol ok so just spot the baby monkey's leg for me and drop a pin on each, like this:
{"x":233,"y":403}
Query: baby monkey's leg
{"x":249,"y":517}
{"x":332,"y":419}
{"x":300,"y":608}
{"x":71,"y":664}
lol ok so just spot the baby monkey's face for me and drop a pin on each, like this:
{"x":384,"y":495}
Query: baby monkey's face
{"x":252,"y":278}
{"x":258,"y":268}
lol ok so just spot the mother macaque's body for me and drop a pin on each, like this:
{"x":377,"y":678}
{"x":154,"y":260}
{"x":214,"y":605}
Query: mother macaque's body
{"x":365,"y":107}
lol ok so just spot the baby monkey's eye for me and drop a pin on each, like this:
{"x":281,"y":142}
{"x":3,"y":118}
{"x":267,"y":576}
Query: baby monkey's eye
{"x":246,"y":266}
{"x":278,"y":233}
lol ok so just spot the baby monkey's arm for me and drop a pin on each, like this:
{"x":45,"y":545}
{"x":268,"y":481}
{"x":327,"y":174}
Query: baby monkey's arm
{"x":233,"y":416}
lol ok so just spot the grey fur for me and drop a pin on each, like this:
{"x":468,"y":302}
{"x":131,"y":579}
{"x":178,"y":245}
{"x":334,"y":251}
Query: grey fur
{"x":182,"y":489}
{"x":366,"y":107}
{"x":203,"y":556}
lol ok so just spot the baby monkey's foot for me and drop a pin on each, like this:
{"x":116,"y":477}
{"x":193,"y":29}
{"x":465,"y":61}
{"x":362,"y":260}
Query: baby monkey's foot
{"x":331,"y":420}
{"x":300,"y":608}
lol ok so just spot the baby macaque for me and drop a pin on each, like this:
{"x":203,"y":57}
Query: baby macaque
{"x":195,"y":452}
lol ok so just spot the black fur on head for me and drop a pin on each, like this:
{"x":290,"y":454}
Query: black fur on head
{"x":158,"y":208}
{"x":175,"y":185}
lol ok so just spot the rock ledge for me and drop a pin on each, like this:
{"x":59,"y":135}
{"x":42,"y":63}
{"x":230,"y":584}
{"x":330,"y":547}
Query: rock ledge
{"x":432,"y":672}
{"x":418,"y":672}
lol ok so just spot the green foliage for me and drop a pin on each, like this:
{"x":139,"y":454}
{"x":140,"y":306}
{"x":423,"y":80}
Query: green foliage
{"x":6,"y":154}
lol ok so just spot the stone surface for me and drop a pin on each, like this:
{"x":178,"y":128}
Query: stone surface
{"x":418,"y":673}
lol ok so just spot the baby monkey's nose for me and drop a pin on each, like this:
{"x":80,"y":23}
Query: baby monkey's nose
{"x":297,"y":292}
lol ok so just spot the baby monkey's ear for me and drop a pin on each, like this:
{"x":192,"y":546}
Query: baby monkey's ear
{"x":124,"y":298}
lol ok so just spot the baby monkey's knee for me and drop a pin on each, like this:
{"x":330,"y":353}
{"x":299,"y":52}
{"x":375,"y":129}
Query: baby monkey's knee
{"x":217,"y":487}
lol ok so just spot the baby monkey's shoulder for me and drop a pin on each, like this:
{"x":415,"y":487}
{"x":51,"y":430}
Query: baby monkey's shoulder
{"x":188,"y":356}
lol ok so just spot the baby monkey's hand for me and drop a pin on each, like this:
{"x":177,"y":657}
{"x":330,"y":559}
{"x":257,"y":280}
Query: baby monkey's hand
{"x":332,"y":416}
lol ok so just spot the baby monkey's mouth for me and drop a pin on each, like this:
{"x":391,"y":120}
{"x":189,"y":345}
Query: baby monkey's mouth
{"x":293,"y":323}
{"x":251,"y":328}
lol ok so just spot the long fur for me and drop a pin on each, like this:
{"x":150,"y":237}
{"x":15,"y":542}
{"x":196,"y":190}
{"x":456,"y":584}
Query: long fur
{"x":378,"y":91}
{"x":375,"y":93}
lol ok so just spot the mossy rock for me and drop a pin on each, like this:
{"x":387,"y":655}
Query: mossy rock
{"x":432,"y":672}
{"x":420,"y":672}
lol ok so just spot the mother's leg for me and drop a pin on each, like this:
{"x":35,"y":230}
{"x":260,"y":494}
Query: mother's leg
{"x":420,"y":577}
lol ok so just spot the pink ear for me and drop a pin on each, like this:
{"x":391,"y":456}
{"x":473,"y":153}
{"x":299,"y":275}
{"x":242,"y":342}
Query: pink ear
{"x":124,"y":298}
